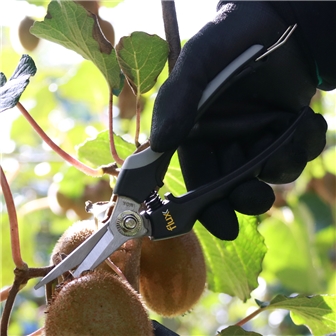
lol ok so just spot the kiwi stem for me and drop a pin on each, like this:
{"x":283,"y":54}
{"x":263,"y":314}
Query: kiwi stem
{"x":113,"y":149}
{"x":67,"y":157}
{"x":137,"y":116}
{"x":171,"y":31}
{"x":249,"y":317}
{"x":13,"y":222}
{"x":115,"y":268}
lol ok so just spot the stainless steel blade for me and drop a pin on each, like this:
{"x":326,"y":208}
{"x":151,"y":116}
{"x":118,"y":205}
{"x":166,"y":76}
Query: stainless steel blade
{"x":75,"y":257}
{"x":105,"y":247}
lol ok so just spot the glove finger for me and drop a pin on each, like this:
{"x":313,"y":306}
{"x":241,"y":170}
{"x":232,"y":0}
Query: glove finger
{"x":236,"y":28}
{"x":288,"y":162}
{"x":252,"y":197}
{"x":220,"y":220}
{"x":311,"y":134}
{"x":199,"y":165}
{"x":284,"y":166}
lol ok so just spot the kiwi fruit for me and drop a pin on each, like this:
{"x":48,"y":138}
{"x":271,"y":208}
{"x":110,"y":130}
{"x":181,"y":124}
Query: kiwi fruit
{"x":127,"y":102}
{"x":105,"y":26}
{"x":107,"y":30}
{"x":172,"y":274}
{"x":60,"y":203}
{"x":126,"y":258}
{"x":90,"y":5}
{"x":75,"y":235}
{"x":27,"y":40}
{"x":97,"y":303}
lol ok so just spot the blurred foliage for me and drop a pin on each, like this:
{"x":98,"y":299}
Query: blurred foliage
{"x":69,"y":99}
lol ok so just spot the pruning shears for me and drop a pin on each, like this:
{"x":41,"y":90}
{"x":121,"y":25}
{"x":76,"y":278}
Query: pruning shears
{"x":142,"y":173}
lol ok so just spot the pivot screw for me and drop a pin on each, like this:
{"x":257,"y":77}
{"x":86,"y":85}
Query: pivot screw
{"x":129,"y":223}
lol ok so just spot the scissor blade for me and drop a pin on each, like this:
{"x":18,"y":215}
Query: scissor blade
{"x":75,"y":257}
{"x":105,"y":247}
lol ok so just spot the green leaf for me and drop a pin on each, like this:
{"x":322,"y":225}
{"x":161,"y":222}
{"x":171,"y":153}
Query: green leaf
{"x":11,"y":91}
{"x":317,"y":312}
{"x":97,"y":151}
{"x":234,"y":266}
{"x":173,"y":178}
{"x":142,"y":57}
{"x":237,"y":331}
{"x":71,"y":26}
{"x":291,"y":256}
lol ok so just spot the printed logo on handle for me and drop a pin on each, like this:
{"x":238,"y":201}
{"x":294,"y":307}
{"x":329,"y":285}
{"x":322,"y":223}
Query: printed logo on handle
{"x":169,"y":220}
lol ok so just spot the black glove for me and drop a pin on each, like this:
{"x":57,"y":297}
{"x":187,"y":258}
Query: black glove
{"x":245,"y":119}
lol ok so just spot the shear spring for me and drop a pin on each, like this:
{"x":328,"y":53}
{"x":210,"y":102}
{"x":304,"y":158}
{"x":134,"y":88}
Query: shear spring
{"x":153,"y":202}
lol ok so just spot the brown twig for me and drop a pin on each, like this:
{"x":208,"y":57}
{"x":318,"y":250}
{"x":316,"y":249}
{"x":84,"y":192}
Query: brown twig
{"x":22,"y":276}
{"x":8,"y":306}
{"x":113,"y":149}
{"x":74,"y":162}
{"x":171,"y":31}
{"x":14,"y":228}
{"x":142,"y":147}
{"x":111,"y":169}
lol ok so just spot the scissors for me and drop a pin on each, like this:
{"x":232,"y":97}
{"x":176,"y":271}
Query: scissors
{"x":142,"y":173}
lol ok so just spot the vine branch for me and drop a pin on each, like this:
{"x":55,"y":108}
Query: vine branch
{"x":113,"y":149}
{"x":74,"y":162}
{"x":14,"y":227}
{"x":249,"y":317}
{"x":171,"y":31}
{"x":22,"y":276}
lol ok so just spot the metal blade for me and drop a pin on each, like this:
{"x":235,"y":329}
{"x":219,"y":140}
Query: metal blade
{"x":75,"y":257}
{"x":105,"y":247}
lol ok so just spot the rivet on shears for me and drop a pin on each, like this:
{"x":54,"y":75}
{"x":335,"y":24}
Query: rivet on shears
{"x":283,"y":39}
{"x":129,"y":223}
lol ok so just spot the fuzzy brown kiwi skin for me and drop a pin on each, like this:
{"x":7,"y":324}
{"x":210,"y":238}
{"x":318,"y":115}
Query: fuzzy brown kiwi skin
{"x":172,"y":274}
{"x":97,"y":303}
{"x":127,"y":257}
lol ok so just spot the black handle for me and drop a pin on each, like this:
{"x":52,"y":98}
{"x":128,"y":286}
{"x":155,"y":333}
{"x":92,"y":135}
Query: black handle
{"x":141,"y":173}
{"x":178,"y":214}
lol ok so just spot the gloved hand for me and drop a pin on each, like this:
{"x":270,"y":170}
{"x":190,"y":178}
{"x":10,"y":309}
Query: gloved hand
{"x":246,"y":118}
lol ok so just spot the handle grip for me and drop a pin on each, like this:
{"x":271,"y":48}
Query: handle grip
{"x":141,"y":173}
{"x":178,"y":215}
